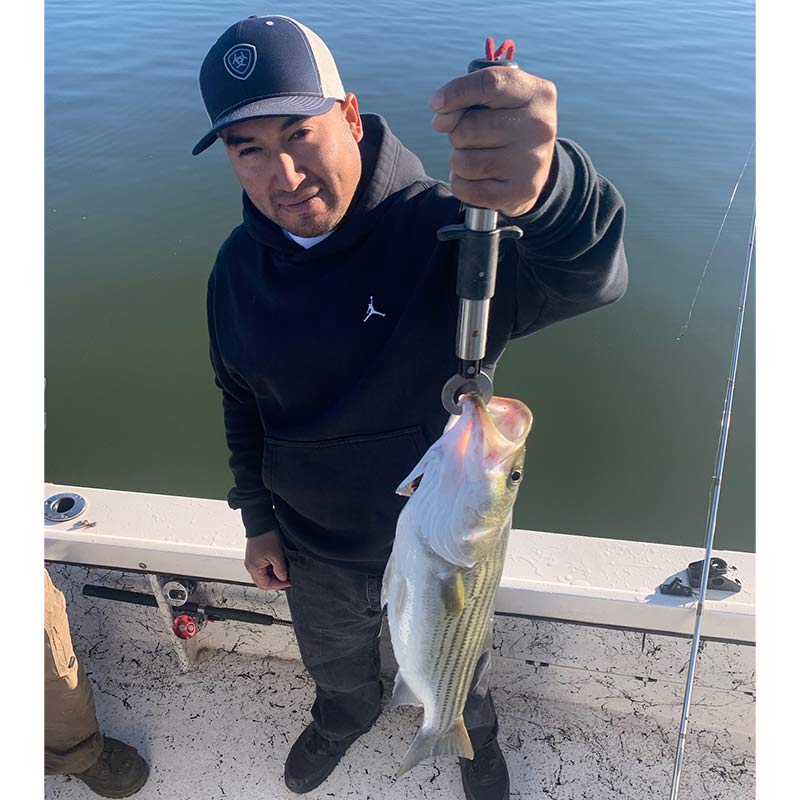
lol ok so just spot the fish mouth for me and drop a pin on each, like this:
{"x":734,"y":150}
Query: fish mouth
{"x":512,"y":418}
{"x":483,"y":434}
{"x":505,"y":420}
{"x":493,"y":432}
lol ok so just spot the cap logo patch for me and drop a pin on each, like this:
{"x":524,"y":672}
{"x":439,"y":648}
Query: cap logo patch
{"x":240,"y":61}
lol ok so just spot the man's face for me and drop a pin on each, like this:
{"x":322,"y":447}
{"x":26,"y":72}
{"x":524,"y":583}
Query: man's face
{"x":300,"y":172}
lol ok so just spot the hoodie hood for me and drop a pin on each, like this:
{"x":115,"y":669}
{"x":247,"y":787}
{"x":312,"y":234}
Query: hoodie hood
{"x":386,"y":168}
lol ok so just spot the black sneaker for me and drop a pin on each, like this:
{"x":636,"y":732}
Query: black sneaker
{"x":311,"y":759}
{"x":118,"y":772}
{"x":485,"y":777}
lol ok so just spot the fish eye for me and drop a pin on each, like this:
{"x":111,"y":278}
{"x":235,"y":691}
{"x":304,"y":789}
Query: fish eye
{"x":515,"y":476}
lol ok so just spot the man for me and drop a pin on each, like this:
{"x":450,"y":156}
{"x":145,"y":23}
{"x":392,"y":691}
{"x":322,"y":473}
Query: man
{"x":73,"y":744}
{"x":332,"y":314}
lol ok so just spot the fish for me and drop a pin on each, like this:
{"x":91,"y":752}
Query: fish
{"x":440,"y":581}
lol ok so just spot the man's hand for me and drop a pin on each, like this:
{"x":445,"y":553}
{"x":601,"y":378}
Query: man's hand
{"x":265,"y":561}
{"x":502,"y":154}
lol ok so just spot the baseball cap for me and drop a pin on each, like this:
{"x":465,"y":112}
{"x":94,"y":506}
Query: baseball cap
{"x":271,"y":66}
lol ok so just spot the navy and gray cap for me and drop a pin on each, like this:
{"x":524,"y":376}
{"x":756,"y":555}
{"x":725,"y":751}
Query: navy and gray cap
{"x":269,"y":66}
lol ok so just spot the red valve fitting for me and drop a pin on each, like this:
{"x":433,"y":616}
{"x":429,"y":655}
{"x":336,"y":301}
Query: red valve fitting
{"x":185,"y":626}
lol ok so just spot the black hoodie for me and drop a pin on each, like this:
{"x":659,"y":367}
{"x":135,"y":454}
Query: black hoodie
{"x":328,"y":408}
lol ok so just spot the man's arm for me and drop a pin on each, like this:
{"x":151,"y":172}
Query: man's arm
{"x":571,"y":257}
{"x":505,"y":156}
{"x":264,"y":557}
{"x":245,"y":437}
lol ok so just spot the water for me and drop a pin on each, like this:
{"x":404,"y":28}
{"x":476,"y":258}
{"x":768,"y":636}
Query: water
{"x":627,"y":418}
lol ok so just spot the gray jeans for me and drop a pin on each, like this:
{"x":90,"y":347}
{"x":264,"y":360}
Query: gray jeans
{"x":337,"y":619}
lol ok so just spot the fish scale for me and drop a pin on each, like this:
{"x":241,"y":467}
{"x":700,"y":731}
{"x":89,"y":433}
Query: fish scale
{"x":466,"y":635}
{"x":487,"y":581}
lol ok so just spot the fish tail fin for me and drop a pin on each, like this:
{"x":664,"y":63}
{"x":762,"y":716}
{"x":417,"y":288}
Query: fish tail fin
{"x":453,"y":742}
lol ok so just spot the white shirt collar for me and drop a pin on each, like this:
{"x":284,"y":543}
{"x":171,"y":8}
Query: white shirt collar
{"x":306,"y":241}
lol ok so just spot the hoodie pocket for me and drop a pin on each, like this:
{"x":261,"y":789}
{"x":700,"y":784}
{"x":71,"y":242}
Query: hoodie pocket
{"x":345,"y":484}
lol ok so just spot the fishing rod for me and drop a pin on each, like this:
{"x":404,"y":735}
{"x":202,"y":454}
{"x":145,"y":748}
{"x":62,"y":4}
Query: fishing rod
{"x":713,"y":505}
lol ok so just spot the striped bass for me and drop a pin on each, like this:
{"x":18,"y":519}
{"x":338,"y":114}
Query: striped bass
{"x":442,"y":576}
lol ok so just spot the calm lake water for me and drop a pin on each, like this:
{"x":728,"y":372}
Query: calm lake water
{"x":661,"y":94}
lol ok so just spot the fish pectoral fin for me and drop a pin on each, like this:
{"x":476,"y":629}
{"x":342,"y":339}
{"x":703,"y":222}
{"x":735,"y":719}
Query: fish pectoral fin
{"x":403,"y":694}
{"x":427,"y":743}
{"x":452,"y":593}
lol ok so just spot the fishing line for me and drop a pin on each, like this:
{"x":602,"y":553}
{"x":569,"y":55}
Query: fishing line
{"x":714,"y":246}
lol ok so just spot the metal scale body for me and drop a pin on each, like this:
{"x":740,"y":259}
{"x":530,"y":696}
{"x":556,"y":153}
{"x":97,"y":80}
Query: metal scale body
{"x":479,"y":242}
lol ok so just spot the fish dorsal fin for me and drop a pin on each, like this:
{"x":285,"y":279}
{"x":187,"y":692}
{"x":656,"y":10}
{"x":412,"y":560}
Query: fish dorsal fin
{"x":386,"y":584}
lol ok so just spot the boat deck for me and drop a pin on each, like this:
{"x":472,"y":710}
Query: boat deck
{"x":223,"y":729}
{"x":588,"y":670}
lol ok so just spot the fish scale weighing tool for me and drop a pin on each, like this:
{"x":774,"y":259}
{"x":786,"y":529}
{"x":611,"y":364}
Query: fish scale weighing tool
{"x":479,"y":241}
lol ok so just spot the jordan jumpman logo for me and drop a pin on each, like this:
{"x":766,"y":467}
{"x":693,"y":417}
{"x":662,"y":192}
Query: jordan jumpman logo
{"x":371,"y":310}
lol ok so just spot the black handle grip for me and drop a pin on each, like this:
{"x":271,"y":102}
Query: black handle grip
{"x":481,"y":63}
{"x":477,"y":258}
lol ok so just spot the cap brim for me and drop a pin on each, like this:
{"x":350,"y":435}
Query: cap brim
{"x":285,"y":106}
